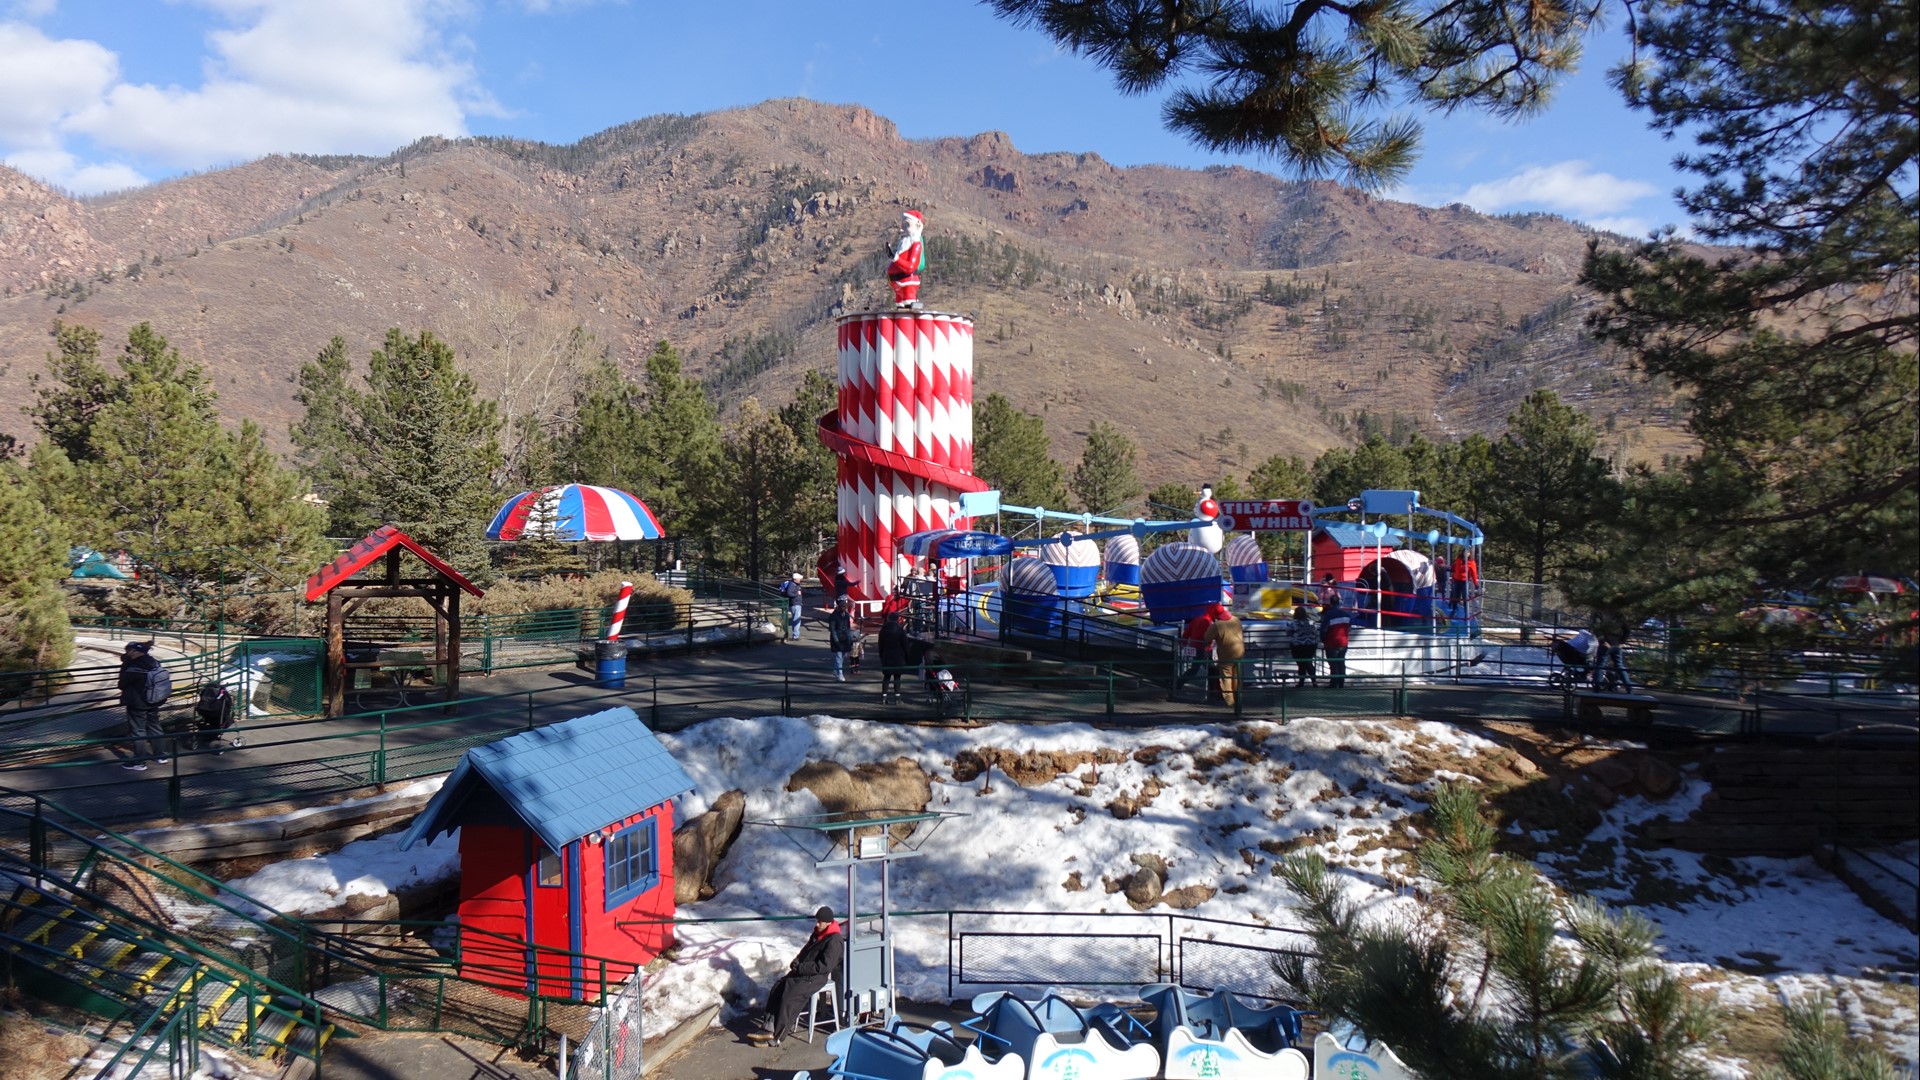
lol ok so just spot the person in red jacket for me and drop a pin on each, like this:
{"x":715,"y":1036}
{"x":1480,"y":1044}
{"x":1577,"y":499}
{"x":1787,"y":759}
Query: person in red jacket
{"x":1196,"y":652}
{"x":1335,"y":627}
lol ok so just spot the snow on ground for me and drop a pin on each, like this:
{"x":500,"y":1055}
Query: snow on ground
{"x":1747,"y":929}
{"x":374,"y":867}
{"x":1208,"y":803}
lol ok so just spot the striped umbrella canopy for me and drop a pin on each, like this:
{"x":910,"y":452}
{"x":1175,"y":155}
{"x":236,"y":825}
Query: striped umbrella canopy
{"x":574,"y":512}
{"x":951,"y":544}
{"x":1028,"y":577}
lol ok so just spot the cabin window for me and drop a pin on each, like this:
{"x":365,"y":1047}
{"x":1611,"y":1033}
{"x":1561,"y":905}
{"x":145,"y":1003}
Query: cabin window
{"x":633,"y":862}
{"x":550,"y":869}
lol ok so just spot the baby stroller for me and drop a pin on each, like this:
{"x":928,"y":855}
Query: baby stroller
{"x":944,"y":689}
{"x":212,"y":714}
{"x":1574,"y":671}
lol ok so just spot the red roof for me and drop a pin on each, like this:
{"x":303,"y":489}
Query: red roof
{"x":370,"y":547}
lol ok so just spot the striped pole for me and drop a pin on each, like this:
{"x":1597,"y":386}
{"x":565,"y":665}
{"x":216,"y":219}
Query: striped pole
{"x":620,"y":610}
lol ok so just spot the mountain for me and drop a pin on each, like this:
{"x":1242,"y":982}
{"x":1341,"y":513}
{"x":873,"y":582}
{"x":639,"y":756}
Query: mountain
{"x":1218,"y":316}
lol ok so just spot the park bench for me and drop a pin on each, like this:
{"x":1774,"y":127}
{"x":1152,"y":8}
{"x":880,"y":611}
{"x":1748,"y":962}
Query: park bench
{"x":1591,"y":706}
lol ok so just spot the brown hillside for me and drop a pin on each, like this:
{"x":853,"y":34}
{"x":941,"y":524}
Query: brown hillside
{"x":1219,"y":315}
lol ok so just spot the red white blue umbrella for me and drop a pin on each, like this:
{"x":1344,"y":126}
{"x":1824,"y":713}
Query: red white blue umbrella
{"x":574,"y":512}
{"x":951,"y":544}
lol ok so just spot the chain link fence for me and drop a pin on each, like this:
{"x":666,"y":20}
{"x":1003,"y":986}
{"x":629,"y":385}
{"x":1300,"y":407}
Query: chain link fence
{"x":611,"y":1048}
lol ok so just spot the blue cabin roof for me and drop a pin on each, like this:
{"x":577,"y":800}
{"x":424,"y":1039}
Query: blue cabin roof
{"x":563,"y":780}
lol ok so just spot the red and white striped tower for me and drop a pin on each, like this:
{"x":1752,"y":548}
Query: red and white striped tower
{"x":904,"y":434}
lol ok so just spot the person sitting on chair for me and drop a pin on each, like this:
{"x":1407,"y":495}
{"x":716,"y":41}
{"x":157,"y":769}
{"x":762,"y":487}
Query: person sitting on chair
{"x":818,"y":961}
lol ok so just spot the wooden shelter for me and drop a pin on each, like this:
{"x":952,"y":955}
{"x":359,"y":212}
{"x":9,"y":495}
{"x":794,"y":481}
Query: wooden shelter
{"x":342,"y":583}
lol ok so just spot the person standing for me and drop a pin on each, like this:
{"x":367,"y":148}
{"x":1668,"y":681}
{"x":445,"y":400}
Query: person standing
{"x":840,"y":636}
{"x":818,"y":960}
{"x":1305,"y":639}
{"x":791,"y":589}
{"x":1195,"y":650}
{"x":1226,"y":634}
{"x":144,"y":687}
{"x":1335,"y":627}
{"x":893,"y":655}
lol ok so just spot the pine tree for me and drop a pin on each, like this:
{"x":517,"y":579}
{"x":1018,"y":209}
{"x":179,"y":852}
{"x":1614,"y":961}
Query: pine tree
{"x":1011,"y":452}
{"x":74,"y":389}
{"x":678,"y":448}
{"x":34,"y":632}
{"x":1301,"y":80}
{"x":1797,"y":352}
{"x":144,"y":465}
{"x":425,"y":449}
{"x":1550,"y":491}
{"x":1340,"y":474}
{"x":322,"y":441}
{"x":1105,"y":481}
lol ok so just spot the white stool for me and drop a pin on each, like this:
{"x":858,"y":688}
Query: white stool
{"x":832,"y":994}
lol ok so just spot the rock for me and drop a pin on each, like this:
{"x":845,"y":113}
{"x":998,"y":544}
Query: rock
{"x":1657,"y":778}
{"x":1612,"y":772}
{"x":1585,"y":788}
{"x":1143,"y":889}
{"x":1187,"y":897}
{"x":700,"y":844}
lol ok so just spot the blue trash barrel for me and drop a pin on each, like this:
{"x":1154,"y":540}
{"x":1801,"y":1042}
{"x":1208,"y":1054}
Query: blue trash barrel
{"x":610,"y":665}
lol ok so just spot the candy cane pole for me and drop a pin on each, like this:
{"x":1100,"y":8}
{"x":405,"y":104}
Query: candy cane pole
{"x":620,"y":610}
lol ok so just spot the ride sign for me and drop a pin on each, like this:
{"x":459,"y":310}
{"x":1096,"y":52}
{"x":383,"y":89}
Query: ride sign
{"x":1266,"y":515}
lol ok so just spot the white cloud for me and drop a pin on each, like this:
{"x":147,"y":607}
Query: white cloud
{"x":1569,"y":187}
{"x":322,"y":76}
{"x":63,"y":170}
{"x":32,"y":9}
{"x":316,"y":76}
{"x":45,"y":81}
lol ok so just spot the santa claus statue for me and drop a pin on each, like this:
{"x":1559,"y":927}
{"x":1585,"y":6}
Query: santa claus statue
{"x":909,"y":259}
{"x":1208,"y":536}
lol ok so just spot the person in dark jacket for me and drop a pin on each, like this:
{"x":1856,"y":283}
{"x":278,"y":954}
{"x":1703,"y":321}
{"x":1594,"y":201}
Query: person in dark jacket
{"x":1305,"y":640}
{"x":818,"y":961}
{"x":841,"y":636}
{"x":893,"y":655}
{"x":143,"y":718}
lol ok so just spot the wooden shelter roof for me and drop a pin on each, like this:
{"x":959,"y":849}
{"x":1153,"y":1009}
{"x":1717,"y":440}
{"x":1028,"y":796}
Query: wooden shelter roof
{"x":370,"y":547}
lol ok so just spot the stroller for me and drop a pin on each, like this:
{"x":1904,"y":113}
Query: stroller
{"x":1574,"y":671}
{"x":948,"y":695}
{"x":212,"y":714}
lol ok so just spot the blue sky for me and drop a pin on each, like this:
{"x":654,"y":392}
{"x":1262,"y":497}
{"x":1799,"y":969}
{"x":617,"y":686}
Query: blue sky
{"x":103,"y":94}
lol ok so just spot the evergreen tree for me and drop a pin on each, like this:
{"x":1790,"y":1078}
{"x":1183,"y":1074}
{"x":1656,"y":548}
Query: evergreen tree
{"x":1797,"y":352}
{"x":1301,"y":80}
{"x":34,"y":633}
{"x":1104,"y":481}
{"x":151,"y":470}
{"x":322,"y":440}
{"x":1818,"y":1046}
{"x":605,"y":433}
{"x":1550,"y":491}
{"x":425,"y":449}
{"x":1280,"y":477}
{"x":759,"y":483}
{"x":1503,"y":978}
{"x":1011,"y":452}
{"x":74,"y":389}
{"x":677,"y":449}
{"x":813,"y":487}
{"x":1340,"y":474}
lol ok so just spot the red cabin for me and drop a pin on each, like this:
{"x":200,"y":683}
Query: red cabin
{"x":566,"y":831}
{"x":1345,"y":550}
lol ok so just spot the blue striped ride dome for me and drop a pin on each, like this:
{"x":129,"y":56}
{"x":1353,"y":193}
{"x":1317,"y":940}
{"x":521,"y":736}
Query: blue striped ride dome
{"x":1179,"y":562}
{"x":1123,"y":551}
{"x":1075,"y":552}
{"x":1028,"y":577}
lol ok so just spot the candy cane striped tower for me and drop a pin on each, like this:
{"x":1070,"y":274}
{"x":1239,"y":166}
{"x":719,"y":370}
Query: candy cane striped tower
{"x":904,"y":434}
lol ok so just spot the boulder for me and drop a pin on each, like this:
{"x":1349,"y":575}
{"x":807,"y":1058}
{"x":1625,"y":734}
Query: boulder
{"x":1613,"y":772}
{"x":1187,"y":897}
{"x":1657,"y":778}
{"x":700,"y":844}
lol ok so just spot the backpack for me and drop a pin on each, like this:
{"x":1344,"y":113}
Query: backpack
{"x":159,"y":685}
